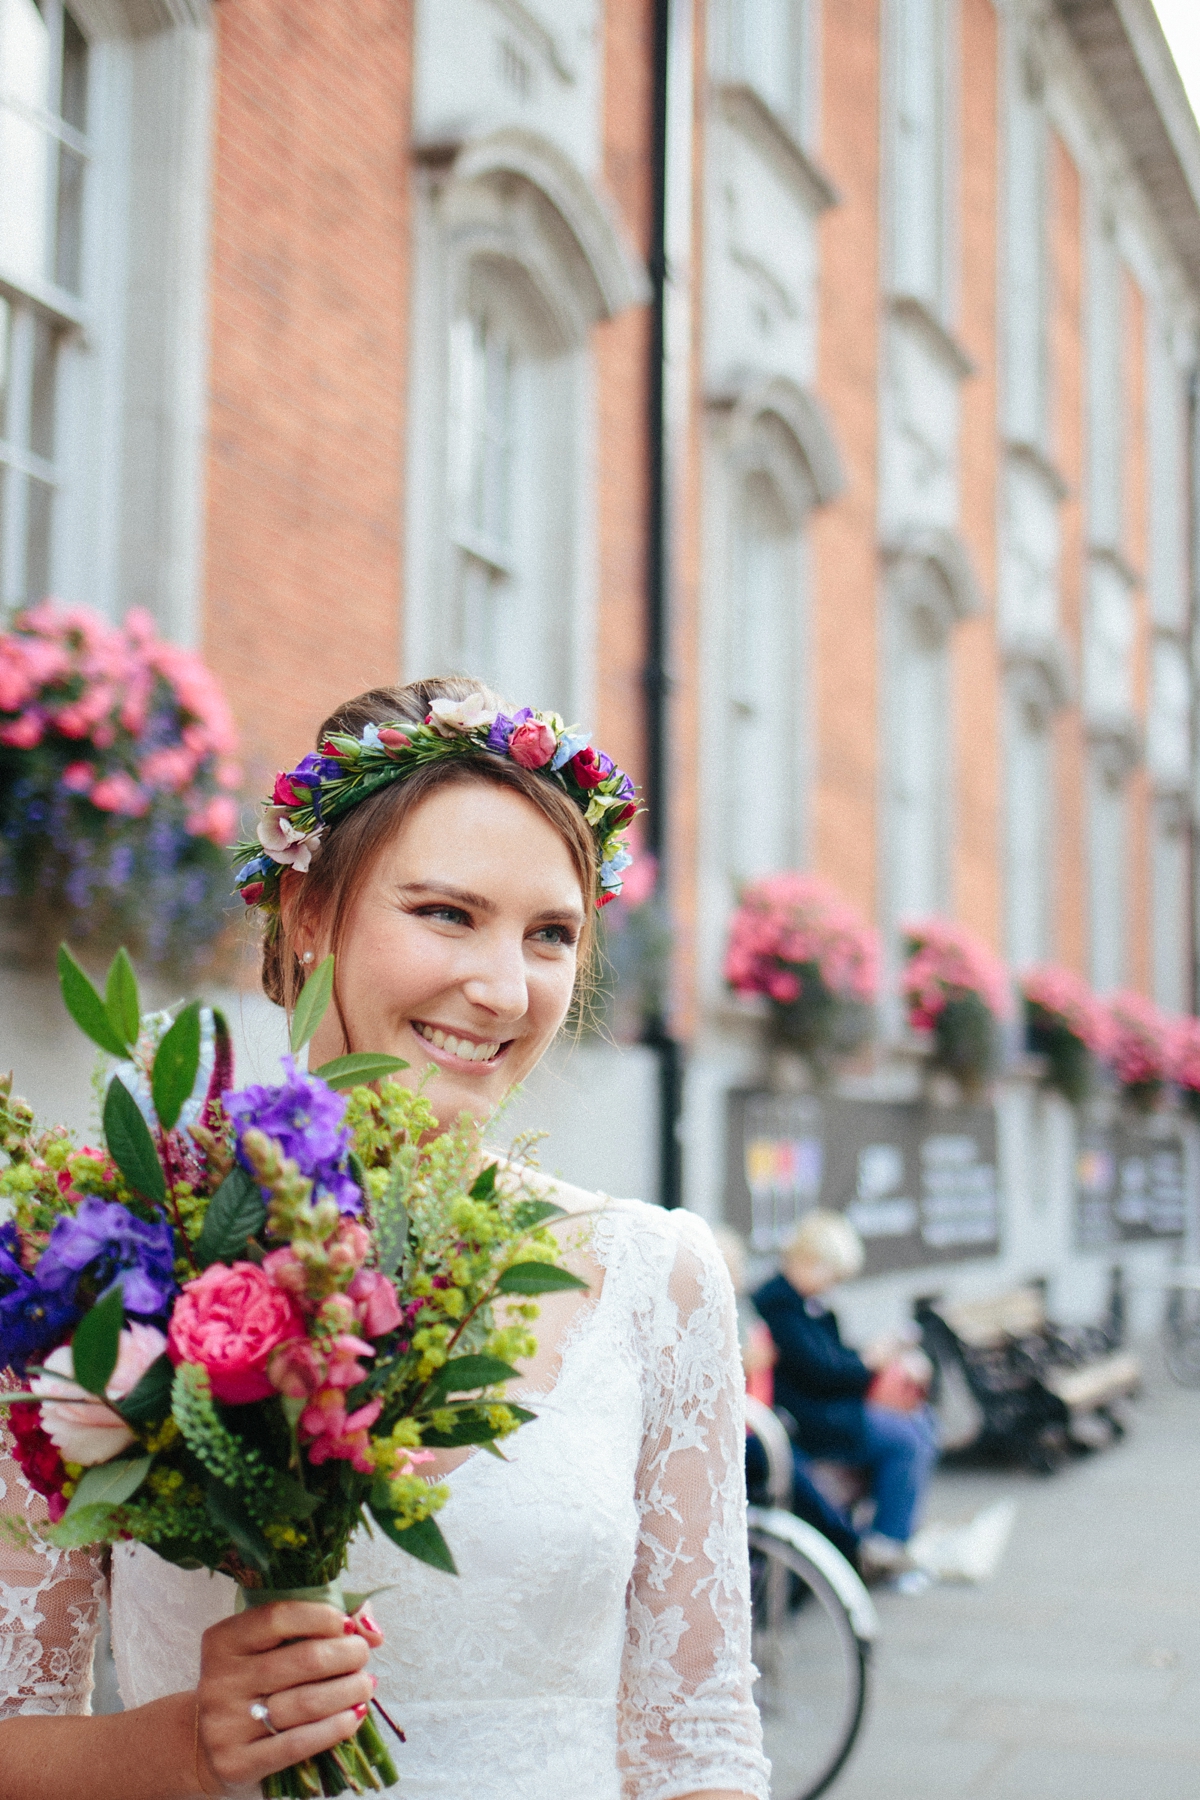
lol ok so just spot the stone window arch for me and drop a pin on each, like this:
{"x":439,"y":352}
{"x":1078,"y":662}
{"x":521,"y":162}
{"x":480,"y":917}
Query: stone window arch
{"x":517,"y":260}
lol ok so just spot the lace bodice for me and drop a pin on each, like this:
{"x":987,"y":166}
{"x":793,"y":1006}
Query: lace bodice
{"x":596,"y":1643}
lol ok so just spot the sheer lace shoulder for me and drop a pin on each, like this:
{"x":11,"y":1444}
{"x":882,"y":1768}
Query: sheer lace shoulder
{"x":686,"y":1715}
{"x":49,"y":1608}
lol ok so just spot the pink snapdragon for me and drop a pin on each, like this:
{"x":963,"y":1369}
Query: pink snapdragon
{"x":332,"y":1432}
{"x":948,"y":962}
{"x":788,"y":920}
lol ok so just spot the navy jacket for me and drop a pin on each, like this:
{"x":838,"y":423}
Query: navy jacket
{"x":818,"y":1379}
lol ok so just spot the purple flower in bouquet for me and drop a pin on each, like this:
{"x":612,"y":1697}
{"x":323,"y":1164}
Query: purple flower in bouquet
{"x":107,"y":1239}
{"x":304,"y":1117}
{"x":31,"y":1318}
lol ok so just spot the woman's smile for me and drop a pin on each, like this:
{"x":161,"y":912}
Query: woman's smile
{"x":452,"y":1045}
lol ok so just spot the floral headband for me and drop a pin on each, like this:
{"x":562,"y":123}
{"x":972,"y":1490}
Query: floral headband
{"x":327,"y":783}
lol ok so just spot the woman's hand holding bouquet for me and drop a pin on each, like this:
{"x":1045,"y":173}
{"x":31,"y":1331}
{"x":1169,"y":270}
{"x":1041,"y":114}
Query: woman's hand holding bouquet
{"x":245,"y":1325}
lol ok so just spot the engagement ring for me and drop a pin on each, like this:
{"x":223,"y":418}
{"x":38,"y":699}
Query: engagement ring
{"x":262,"y":1712}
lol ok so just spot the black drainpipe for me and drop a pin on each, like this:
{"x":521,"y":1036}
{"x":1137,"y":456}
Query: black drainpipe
{"x":656,"y":1032}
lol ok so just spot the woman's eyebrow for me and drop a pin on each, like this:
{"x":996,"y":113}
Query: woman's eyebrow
{"x":447,"y":890}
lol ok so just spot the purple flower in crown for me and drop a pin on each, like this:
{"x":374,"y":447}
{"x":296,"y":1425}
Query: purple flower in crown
{"x":304,"y":1117}
{"x":503,"y":726}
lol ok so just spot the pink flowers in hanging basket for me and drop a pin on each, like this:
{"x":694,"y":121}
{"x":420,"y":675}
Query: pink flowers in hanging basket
{"x":117,"y":782}
{"x":786,"y":922}
{"x":1067,"y":1001}
{"x":947,"y":962}
{"x":1142,"y":1044}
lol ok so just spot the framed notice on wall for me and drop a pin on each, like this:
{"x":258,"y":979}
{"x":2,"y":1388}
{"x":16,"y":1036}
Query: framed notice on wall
{"x":1129,"y":1183}
{"x":919,"y":1183}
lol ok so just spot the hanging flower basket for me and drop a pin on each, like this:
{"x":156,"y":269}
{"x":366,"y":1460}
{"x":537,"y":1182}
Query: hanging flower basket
{"x":1185,"y":1064}
{"x":1141,"y":1049}
{"x":795,"y":940}
{"x":116,"y":787}
{"x":956,"y":990}
{"x":1070,"y":1027}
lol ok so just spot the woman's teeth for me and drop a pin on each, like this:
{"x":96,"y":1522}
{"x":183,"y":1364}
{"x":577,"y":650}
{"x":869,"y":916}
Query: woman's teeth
{"x":463,"y":1047}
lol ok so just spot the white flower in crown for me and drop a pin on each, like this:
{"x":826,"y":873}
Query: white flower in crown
{"x":284,"y":844}
{"x":456,"y":718}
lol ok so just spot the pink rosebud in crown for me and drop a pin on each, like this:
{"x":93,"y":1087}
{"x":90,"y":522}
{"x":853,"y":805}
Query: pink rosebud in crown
{"x":284,"y":794}
{"x":394,"y":740}
{"x":532,"y":744}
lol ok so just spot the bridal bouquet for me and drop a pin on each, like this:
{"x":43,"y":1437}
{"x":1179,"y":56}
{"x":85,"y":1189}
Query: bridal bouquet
{"x":247,"y":1321}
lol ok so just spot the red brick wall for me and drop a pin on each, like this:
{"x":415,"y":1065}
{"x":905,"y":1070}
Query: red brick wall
{"x":1136,"y":528}
{"x":622,"y":350}
{"x":978,"y":886}
{"x":1067,"y":422}
{"x":845,"y":563}
{"x":308,"y":341}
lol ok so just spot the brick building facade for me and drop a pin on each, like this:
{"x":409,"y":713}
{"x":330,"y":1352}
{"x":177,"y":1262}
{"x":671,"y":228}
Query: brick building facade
{"x":352,"y":357}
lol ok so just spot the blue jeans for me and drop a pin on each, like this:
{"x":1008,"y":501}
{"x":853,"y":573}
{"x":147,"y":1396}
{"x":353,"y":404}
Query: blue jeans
{"x":900,"y":1450}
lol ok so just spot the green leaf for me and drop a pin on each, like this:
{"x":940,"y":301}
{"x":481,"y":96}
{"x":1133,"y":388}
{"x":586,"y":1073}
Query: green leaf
{"x":121,"y":998}
{"x":470,"y":1428}
{"x":531,"y":1212}
{"x":85,"y":1005}
{"x":75,"y":1530}
{"x":130,"y":1145}
{"x":109,"y":1484}
{"x":150,"y":1401}
{"x":229,"y":1515}
{"x":315,"y":996}
{"x":355,"y":1071}
{"x":537,"y":1278}
{"x":96,"y":1341}
{"x":235,"y":1213}
{"x":484,"y":1184}
{"x":175,"y":1066}
{"x":465,"y":1374}
{"x":423,"y":1540}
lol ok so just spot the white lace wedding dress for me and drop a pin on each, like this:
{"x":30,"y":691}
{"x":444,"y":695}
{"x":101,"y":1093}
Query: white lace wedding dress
{"x":596,"y":1642}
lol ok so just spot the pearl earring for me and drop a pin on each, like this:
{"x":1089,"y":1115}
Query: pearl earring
{"x":307,"y":957}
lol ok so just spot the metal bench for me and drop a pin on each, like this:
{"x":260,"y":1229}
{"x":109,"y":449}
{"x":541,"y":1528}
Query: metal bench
{"x":1010,"y":1382}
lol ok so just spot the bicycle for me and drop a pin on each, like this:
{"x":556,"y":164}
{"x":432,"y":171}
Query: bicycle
{"x":1181,"y":1324}
{"x":813,"y":1627}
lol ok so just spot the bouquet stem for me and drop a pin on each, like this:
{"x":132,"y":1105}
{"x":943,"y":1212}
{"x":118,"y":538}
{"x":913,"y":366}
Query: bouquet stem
{"x":359,"y":1766}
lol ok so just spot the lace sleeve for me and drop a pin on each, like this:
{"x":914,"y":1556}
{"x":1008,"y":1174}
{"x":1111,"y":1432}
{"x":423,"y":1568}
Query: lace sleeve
{"x":49,"y":1608}
{"x":687,"y":1719}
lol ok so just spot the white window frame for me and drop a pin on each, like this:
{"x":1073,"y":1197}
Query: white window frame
{"x":792,"y":31}
{"x":1029,"y":795}
{"x":35,"y":306}
{"x":1026,"y":262}
{"x":919,"y":48}
{"x":1107,"y":869}
{"x":917,"y":697}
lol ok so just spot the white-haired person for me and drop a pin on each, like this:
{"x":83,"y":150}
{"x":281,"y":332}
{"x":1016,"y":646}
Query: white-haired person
{"x":866,"y":1409}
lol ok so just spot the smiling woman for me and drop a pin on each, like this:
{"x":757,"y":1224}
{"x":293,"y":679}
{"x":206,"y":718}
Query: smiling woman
{"x":450,"y":854}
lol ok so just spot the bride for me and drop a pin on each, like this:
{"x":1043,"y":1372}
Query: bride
{"x":596,"y":1642}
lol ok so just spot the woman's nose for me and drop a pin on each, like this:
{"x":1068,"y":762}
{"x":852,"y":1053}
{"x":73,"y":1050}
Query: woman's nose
{"x":497,"y":981}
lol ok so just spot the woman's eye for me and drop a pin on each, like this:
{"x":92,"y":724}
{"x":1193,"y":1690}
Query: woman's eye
{"x":447,"y":915}
{"x":556,"y":934}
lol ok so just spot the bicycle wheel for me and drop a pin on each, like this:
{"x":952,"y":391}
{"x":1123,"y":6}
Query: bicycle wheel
{"x":1181,"y":1336}
{"x":810,"y":1652}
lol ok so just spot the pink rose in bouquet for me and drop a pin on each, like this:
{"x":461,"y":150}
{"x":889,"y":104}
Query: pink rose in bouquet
{"x":229,"y":1320}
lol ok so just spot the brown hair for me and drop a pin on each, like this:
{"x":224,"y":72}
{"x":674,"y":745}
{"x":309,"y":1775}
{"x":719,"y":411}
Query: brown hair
{"x":353,"y":843}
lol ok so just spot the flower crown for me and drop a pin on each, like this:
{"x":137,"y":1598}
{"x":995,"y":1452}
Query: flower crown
{"x":327,"y":783}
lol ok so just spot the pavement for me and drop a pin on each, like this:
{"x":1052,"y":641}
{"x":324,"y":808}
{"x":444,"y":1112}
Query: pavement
{"x":1074,"y":1674}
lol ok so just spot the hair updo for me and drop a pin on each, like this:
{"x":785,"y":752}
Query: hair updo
{"x":351,"y":845}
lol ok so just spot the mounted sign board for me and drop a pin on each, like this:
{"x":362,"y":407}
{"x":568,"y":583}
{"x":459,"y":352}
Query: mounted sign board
{"x":919,"y":1183}
{"x":1129,"y":1183}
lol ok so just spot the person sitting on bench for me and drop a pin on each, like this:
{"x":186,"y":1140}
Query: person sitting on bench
{"x":868,"y":1411}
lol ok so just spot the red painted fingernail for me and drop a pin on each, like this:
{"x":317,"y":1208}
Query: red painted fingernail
{"x":360,"y":1711}
{"x":368,"y":1620}
{"x":349,"y":1628}
{"x":374,"y":1681}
